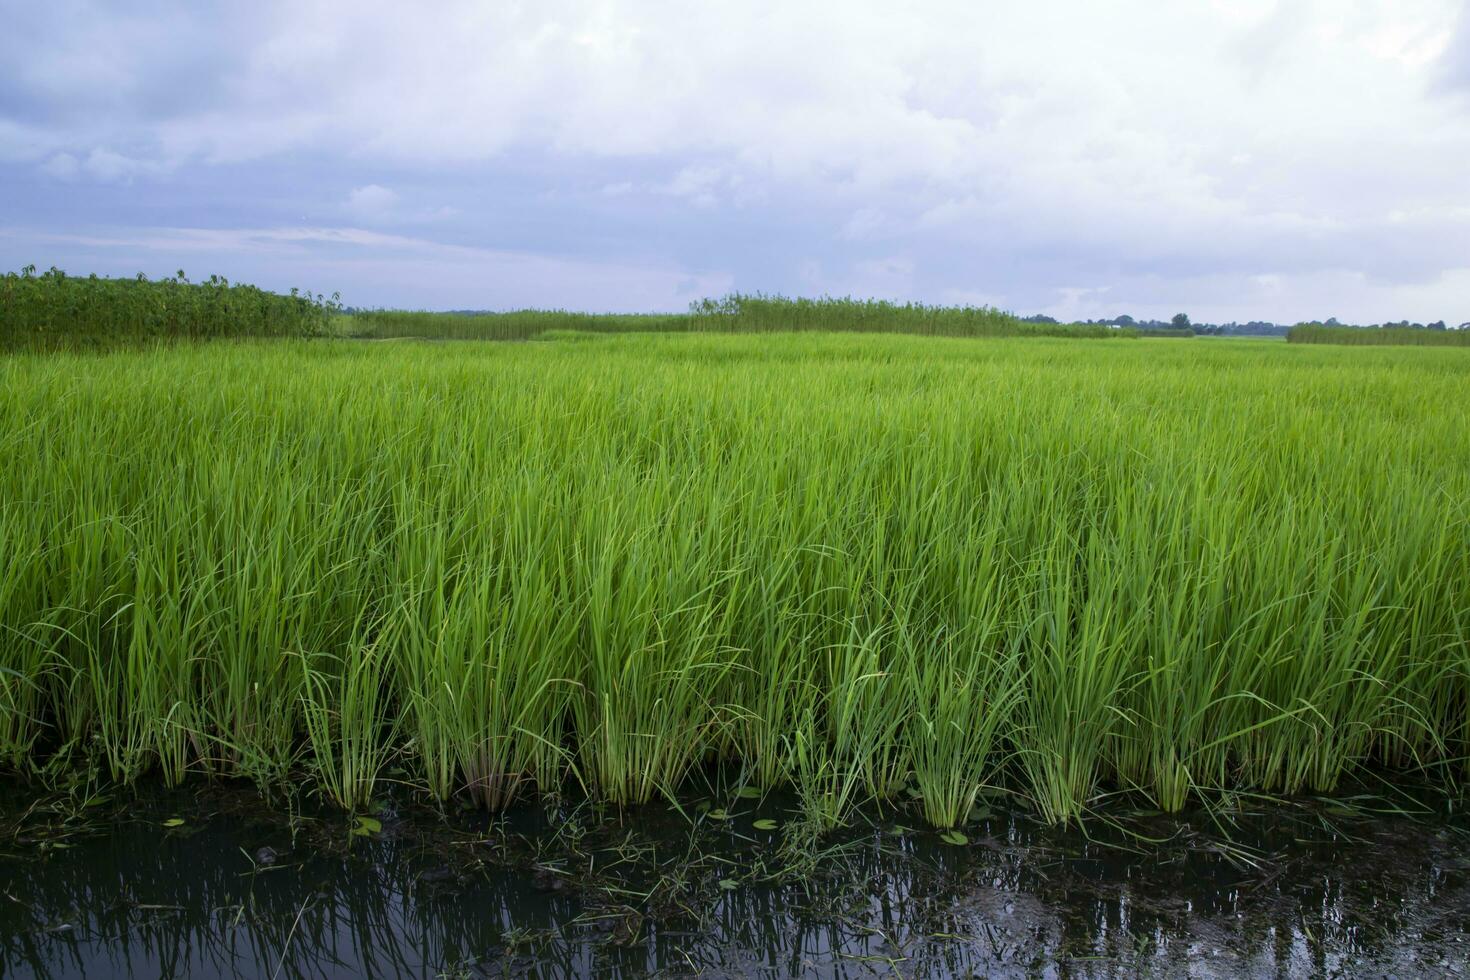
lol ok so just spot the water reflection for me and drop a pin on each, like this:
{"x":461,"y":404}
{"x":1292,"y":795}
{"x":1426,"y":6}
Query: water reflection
{"x":241,"y":893}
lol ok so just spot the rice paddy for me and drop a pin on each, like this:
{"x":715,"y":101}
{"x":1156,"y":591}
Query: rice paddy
{"x":864,"y":567}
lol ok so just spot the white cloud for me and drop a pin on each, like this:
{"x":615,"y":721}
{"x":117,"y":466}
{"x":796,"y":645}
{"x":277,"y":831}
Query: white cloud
{"x":1072,"y":145}
{"x":111,"y":167}
{"x":890,"y":277}
{"x":62,"y":166}
{"x":371,"y":203}
{"x":374,"y":204}
{"x":698,"y":185}
{"x":364,"y":263}
{"x":866,"y":224}
{"x":1452,"y":70}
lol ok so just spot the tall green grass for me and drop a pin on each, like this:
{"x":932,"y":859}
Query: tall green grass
{"x":873,"y":567}
{"x":1318,"y":333}
{"x":56,"y":311}
{"x":515,"y":325}
{"x":735,"y":313}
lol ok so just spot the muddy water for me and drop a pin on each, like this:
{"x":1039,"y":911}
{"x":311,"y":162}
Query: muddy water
{"x":217,"y":884}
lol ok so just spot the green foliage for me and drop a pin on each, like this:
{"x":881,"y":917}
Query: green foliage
{"x":735,"y":313}
{"x":1319,"y":333}
{"x":873,"y":567}
{"x":56,"y":311}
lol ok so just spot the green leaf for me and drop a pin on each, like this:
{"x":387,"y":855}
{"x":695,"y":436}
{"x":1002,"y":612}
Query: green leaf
{"x":367,"y":826}
{"x":978,"y":813}
{"x":174,"y":822}
{"x":766,"y":824}
{"x":718,"y":814}
{"x":748,"y":793}
{"x":954,"y":837}
{"x":729,"y":884}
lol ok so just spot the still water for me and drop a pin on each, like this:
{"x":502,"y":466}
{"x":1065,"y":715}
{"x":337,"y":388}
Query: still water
{"x":215,"y":883}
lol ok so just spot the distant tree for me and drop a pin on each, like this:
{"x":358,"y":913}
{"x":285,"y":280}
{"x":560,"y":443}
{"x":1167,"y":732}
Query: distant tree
{"x":1124,"y":321}
{"x":1331,"y":322}
{"x":1437,"y":325}
{"x":1180,"y":321}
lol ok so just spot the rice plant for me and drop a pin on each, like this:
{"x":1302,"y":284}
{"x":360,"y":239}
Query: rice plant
{"x":871,"y":566}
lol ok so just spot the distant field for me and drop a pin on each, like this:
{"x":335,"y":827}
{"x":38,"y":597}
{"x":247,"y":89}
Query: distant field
{"x":54,"y":311}
{"x":733,"y":314}
{"x":861,"y":565}
{"x":1378,"y":336}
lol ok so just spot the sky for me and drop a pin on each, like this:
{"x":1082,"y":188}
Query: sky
{"x":1231,"y":159}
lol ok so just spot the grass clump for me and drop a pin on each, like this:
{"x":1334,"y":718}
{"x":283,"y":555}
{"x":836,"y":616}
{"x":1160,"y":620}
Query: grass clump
{"x":873,"y":567}
{"x":56,"y":311}
{"x":1319,"y":333}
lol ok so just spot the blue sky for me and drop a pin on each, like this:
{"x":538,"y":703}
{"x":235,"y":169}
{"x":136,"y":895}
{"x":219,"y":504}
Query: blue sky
{"x":1235,"y":159}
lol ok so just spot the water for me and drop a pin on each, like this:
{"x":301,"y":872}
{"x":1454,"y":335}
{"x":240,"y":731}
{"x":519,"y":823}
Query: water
{"x":242,"y":889}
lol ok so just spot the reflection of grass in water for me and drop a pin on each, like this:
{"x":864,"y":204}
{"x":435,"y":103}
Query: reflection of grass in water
{"x":859,"y":566}
{"x":581,"y":883}
{"x":583,"y":880}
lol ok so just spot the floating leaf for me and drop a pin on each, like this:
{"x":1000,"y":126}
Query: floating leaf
{"x":914,"y":792}
{"x":765,"y":824}
{"x":729,"y":884}
{"x":718,"y":814}
{"x":748,"y":793}
{"x":954,"y":837}
{"x":174,"y":822}
{"x":978,"y":813}
{"x":367,"y":826}
{"x":897,"y":830}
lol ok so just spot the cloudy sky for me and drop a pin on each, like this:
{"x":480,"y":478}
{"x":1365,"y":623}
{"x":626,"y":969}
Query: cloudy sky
{"x":1235,"y":159}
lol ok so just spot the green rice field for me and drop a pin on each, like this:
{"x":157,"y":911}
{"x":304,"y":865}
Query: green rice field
{"x":863,"y":566}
